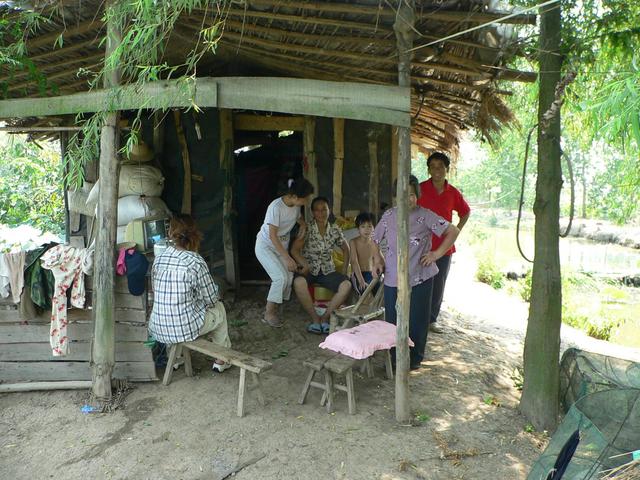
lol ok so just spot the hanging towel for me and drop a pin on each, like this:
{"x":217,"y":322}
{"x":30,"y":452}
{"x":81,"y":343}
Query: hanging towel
{"x":11,"y":271}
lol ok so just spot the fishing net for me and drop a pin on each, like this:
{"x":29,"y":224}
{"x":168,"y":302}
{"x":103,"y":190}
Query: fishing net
{"x":601,"y":397}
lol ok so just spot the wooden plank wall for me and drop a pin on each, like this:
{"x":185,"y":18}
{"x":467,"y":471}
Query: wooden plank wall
{"x":25,"y":354}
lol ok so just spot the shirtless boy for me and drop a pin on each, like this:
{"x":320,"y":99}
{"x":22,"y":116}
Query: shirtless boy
{"x":362,"y":249}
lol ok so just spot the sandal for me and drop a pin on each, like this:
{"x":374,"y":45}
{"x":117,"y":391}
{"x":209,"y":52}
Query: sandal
{"x":325,"y":327}
{"x":314,"y":328}
{"x":220,"y":367}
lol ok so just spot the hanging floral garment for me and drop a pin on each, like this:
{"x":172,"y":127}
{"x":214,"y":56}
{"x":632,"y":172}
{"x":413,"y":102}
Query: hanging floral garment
{"x":68,"y":265}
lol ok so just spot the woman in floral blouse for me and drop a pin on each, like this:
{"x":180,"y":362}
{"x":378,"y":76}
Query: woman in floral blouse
{"x":314,"y":255}
{"x":423,"y":224}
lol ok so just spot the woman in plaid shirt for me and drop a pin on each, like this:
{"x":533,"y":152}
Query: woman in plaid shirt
{"x":186,"y":304}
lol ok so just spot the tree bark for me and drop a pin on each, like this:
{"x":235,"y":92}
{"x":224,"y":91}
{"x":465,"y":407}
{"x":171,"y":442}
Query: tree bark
{"x":103,"y":347}
{"x":540,"y":403}
{"x":404,"y":37}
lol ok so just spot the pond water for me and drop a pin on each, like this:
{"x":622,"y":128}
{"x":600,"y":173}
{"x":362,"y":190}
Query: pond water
{"x":576,"y":254}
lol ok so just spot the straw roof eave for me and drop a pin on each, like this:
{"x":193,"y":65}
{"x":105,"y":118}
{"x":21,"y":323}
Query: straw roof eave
{"x":453,"y":83}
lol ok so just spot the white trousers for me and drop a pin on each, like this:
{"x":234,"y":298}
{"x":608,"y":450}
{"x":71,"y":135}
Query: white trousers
{"x":272,"y":262}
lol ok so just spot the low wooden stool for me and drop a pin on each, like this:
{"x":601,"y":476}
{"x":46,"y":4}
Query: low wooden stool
{"x":368,"y":367}
{"x":330,"y":364}
{"x":341,"y":365}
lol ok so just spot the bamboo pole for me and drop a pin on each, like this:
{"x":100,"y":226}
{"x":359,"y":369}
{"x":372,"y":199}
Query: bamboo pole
{"x":394,"y":158}
{"x":227,"y":166}
{"x":338,"y":163}
{"x":39,"y":129}
{"x":103,"y":346}
{"x":403,"y":27}
{"x":36,"y":386}
{"x":435,"y":14}
{"x":315,"y":21}
{"x":374,"y":205}
{"x":311,"y":168}
{"x":186,"y":164}
{"x":64,"y":142}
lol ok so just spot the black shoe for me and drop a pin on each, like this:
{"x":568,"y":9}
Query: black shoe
{"x":415,"y":366}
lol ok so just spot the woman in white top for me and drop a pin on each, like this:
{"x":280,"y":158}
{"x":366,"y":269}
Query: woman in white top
{"x":272,"y":244}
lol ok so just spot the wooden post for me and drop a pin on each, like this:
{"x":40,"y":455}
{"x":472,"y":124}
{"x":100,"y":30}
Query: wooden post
{"x":374,"y":205}
{"x":103,"y":347}
{"x":338,"y":163}
{"x":394,"y":157}
{"x":311,"y":168}
{"x":186,"y":164}
{"x":158,"y":135}
{"x":228,"y":227}
{"x":64,"y":141}
{"x":540,"y":399}
{"x":403,"y":28}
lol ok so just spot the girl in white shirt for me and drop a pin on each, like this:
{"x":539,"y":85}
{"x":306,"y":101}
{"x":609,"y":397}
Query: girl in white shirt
{"x":272,"y":244}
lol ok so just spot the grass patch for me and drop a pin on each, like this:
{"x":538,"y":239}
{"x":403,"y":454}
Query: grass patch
{"x":489,"y":273}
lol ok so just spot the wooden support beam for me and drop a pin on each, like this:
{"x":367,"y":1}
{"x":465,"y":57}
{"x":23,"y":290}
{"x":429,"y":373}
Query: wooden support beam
{"x":387,"y":12}
{"x":273,"y":123}
{"x":88,"y":62}
{"x":314,"y":21}
{"x":253,"y":28}
{"x":50,"y":38}
{"x":186,"y":164}
{"x":39,"y":129}
{"x":338,"y":163}
{"x":403,"y":28}
{"x":394,"y":159}
{"x":374,"y":175}
{"x":103,"y":346}
{"x":471,"y":67}
{"x":227,"y":165}
{"x":321,"y":51}
{"x":375,"y":103}
{"x":310,"y":166}
{"x":330,"y":72}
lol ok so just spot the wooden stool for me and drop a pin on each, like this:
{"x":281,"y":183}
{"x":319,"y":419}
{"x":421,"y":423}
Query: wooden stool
{"x":316,"y":365}
{"x":368,"y":367}
{"x":330,"y":364}
{"x":340,"y":365}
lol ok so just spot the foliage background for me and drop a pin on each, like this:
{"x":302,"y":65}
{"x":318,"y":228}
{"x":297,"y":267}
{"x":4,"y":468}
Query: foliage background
{"x":30,"y":184}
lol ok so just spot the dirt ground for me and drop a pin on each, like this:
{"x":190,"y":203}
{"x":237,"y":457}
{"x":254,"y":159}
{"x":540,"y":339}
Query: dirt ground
{"x":466,"y":420}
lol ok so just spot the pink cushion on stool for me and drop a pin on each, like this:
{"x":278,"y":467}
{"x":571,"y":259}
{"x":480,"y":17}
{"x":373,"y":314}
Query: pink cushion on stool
{"x":361,"y":341}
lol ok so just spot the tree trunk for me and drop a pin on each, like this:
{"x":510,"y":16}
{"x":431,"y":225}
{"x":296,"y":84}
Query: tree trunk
{"x":103,"y":347}
{"x":540,"y":403}
{"x":404,"y":37}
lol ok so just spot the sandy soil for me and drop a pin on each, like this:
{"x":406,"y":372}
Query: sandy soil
{"x":467,"y":424}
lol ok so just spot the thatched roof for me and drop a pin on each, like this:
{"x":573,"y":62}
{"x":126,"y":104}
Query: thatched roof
{"x":454,"y":82}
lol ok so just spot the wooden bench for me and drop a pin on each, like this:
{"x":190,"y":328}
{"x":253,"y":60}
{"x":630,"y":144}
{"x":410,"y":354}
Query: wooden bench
{"x":245,"y":362}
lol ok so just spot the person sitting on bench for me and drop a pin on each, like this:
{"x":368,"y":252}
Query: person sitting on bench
{"x":185,"y":298}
